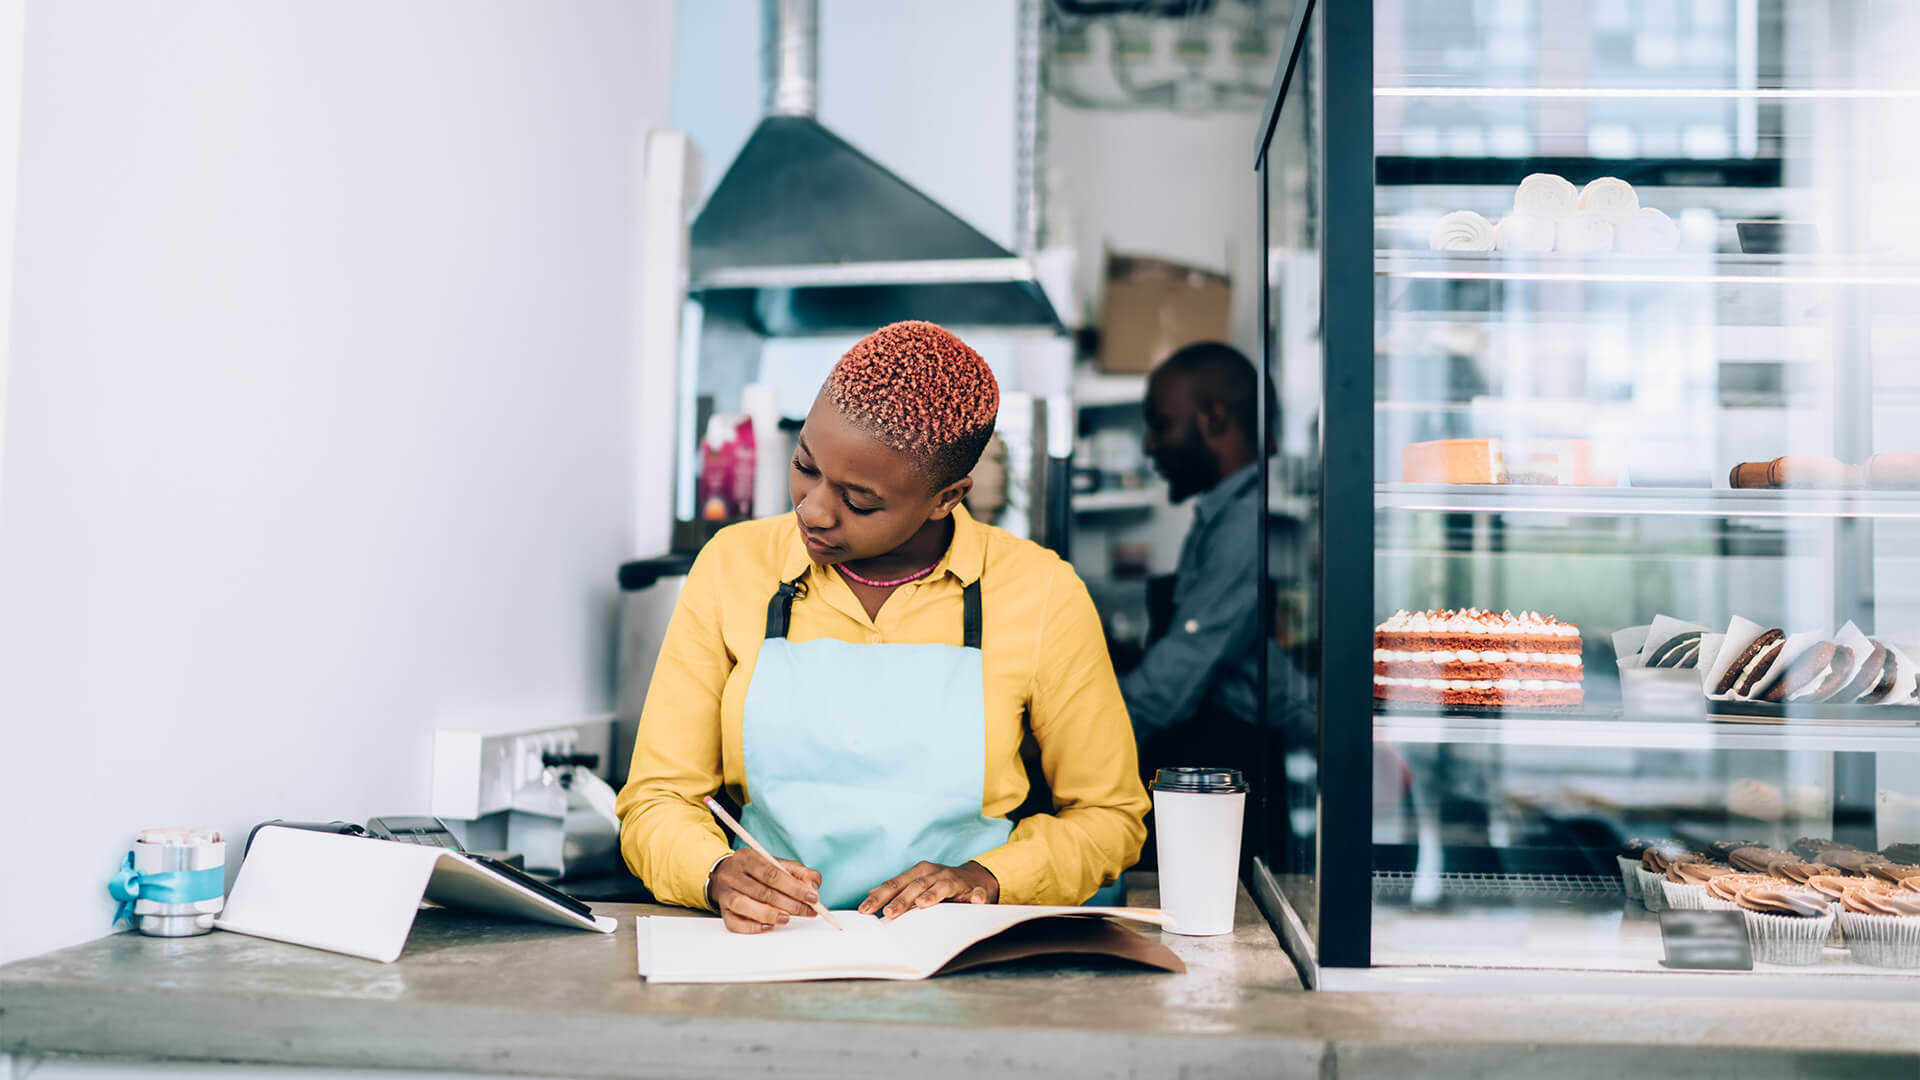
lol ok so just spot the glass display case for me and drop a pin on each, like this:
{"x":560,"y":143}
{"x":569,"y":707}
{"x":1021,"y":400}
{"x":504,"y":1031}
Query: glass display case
{"x":1596,"y":331}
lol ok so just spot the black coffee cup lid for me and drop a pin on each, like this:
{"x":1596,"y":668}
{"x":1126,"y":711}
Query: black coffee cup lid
{"x":1203,"y":781}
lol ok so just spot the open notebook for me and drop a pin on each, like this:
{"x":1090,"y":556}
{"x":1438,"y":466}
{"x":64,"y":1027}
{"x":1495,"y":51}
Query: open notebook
{"x":924,"y":942}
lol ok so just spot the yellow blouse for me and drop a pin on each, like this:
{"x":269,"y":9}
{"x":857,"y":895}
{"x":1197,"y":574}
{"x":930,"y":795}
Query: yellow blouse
{"x":1046,"y":670}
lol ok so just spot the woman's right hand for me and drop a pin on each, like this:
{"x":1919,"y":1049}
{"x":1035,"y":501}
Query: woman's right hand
{"x":755,"y":895}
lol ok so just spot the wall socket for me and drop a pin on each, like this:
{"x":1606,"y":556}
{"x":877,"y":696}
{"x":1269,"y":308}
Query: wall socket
{"x":480,"y":773}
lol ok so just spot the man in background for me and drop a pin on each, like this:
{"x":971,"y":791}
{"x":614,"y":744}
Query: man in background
{"x":1196,"y":694}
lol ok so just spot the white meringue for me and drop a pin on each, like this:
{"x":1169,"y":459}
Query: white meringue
{"x":1462,"y":230}
{"x":1583,"y":233}
{"x":1525,"y":232}
{"x":1647,"y":232}
{"x":1608,"y":195}
{"x":1546,"y":193}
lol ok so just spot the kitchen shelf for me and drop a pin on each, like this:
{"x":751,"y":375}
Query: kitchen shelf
{"x":1093,"y":390}
{"x":1656,"y":270}
{"x":1672,"y":502}
{"x":1123,"y":499}
{"x":1614,"y":729}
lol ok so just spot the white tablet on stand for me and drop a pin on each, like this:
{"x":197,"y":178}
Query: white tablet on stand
{"x":358,"y":896}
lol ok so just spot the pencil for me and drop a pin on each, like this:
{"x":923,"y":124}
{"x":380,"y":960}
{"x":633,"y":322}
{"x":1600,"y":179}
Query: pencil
{"x":740,"y":831}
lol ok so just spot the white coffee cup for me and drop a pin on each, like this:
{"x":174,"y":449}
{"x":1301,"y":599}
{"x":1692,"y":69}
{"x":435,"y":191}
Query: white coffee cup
{"x":1197,"y":815}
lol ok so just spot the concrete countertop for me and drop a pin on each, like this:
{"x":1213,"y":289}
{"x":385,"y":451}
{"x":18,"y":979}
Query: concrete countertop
{"x":490,"y":996}
{"x":483,"y":996}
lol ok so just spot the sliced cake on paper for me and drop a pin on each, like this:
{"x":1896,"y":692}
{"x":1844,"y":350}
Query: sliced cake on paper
{"x":1475,"y":657}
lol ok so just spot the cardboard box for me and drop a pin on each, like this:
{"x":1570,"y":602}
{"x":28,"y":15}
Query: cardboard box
{"x":1152,"y":307}
{"x":1500,"y":461}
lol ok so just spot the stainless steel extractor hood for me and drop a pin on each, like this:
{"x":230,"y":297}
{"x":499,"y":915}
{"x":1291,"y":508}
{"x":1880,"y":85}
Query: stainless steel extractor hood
{"x":813,"y":236}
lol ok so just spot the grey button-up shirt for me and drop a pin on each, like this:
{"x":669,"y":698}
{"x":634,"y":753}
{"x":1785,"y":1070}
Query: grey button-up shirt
{"x":1209,"y":654}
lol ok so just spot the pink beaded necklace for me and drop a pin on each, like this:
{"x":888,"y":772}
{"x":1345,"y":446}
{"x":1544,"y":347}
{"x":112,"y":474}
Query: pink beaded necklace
{"x":915,"y":576}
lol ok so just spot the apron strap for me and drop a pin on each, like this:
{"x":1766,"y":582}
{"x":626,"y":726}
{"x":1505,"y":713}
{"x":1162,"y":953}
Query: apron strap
{"x":780,"y":608}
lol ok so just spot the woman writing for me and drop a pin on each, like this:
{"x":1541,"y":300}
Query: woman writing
{"x":860,"y":673}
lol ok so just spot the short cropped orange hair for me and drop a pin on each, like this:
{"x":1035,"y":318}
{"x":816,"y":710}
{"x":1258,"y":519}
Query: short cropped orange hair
{"x":922,"y":391}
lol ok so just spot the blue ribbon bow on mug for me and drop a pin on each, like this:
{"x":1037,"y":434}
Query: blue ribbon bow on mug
{"x":166,"y":887}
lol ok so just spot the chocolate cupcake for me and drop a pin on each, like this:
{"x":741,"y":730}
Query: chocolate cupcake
{"x":1833,"y":886}
{"x":1796,"y":872}
{"x":1905,"y":854}
{"x":1889,"y":873}
{"x":1787,"y":924}
{"x":1628,"y":858}
{"x":1723,"y":891}
{"x":1757,"y":860}
{"x":1882,"y":927}
{"x":1810,"y":847}
{"x":1659,"y":857}
{"x":1851,"y":861}
{"x":1685,"y":884}
{"x":1720,"y":849}
{"x":1652,"y":873}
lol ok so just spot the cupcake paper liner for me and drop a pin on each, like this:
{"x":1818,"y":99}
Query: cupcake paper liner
{"x":1890,"y":941}
{"x":1629,"y":875}
{"x":1788,"y":939}
{"x":1684,"y":897}
{"x":1714,"y":903}
{"x":1836,"y":937}
{"x":1651,"y":892}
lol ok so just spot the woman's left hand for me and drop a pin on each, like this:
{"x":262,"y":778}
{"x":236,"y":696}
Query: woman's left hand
{"x":927,"y":884}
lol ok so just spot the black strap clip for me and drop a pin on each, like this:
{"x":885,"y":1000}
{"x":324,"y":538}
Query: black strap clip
{"x":780,"y":608}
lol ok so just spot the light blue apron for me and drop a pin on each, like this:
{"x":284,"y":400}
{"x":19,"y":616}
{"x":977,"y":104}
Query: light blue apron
{"x":862,"y":760}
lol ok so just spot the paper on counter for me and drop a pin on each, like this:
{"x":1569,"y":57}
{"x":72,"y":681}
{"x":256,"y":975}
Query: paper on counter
{"x":1740,"y":634}
{"x":921,"y":943}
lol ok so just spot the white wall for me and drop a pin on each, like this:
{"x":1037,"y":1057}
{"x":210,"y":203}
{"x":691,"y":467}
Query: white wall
{"x":314,"y":435}
{"x":13,"y":18}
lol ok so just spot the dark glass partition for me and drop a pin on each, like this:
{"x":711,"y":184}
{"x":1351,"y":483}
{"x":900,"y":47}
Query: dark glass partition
{"x":1316,"y":210}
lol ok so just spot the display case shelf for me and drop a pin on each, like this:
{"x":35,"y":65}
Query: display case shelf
{"x":1119,"y":500}
{"x":1626,"y":502}
{"x":1650,"y":270}
{"x":1614,"y":729}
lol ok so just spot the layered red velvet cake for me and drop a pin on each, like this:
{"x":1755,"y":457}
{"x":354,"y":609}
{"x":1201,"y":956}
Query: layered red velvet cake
{"x":1476,"y":657}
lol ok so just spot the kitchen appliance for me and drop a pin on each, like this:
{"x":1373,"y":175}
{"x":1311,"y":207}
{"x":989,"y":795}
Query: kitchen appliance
{"x":806,"y":234}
